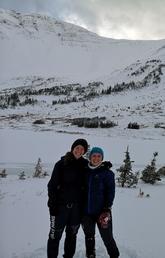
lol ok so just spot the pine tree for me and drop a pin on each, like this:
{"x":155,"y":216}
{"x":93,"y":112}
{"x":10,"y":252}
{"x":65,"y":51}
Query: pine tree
{"x":38,"y":169}
{"x":126,"y":176}
{"x":149,"y":174}
{"x":22,"y":175}
{"x":3,"y":173}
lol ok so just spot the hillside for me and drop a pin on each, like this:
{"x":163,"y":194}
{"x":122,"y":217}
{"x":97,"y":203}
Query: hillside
{"x":60,"y":77}
{"x":37,"y":45}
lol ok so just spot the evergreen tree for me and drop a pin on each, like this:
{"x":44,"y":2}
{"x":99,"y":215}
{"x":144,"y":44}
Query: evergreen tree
{"x":38,"y":169}
{"x":22,"y":175}
{"x":149,"y":174}
{"x":3,"y":173}
{"x":126,"y":176}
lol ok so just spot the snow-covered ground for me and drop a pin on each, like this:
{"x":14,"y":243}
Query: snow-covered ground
{"x":24,"y":223}
{"x":25,"y":146}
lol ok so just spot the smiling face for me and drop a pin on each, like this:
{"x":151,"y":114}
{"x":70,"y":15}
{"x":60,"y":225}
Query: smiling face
{"x":96,"y":159}
{"x":78,"y":151}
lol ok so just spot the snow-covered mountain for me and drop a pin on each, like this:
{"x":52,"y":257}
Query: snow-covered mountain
{"x":37,"y":45}
{"x":58,"y":71}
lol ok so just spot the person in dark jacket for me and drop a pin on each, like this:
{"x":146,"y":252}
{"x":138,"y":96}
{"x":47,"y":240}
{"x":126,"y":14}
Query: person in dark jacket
{"x":65,"y":193}
{"x":100,"y":193}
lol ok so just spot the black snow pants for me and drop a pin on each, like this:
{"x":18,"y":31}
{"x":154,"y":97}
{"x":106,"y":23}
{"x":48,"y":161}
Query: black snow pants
{"x":68,"y":218}
{"x":89,"y":225}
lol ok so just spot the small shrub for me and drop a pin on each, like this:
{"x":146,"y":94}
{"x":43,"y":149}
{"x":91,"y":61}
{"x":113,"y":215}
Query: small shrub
{"x":39,"y":121}
{"x":133,"y":126}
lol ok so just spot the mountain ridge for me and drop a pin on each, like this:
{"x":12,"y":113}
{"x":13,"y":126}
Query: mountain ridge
{"x":43,"y":46}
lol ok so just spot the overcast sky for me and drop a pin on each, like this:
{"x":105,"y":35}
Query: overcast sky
{"x":129,"y":19}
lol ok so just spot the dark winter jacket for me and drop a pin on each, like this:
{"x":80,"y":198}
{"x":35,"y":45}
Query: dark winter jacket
{"x":100,"y":189}
{"x":66,"y":183}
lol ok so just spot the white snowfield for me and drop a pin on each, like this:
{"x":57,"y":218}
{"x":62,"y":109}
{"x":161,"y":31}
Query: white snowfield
{"x":24,"y":223}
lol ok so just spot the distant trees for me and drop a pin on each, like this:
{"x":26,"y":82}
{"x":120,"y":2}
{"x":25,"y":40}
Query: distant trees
{"x":75,"y":92}
{"x":93,"y":122}
{"x":133,"y":125}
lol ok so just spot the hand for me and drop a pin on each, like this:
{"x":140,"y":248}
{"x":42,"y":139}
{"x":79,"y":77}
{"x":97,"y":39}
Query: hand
{"x":52,"y":227}
{"x":104,"y":219}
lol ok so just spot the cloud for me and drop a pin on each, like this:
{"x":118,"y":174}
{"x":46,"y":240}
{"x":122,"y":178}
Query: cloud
{"x":138,"y":19}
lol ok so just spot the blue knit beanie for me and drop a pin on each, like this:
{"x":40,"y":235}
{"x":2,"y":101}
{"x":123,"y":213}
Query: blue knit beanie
{"x":96,"y":150}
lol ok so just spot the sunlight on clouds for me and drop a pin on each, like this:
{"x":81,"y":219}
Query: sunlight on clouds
{"x":76,"y":20}
{"x":142,"y":19}
{"x":123,"y":33}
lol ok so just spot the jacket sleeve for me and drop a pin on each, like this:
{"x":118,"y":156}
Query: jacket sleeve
{"x":109,"y":190}
{"x":53,"y":187}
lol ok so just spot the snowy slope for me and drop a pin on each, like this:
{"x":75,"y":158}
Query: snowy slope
{"x":40,"y":53}
{"x":37,"y":45}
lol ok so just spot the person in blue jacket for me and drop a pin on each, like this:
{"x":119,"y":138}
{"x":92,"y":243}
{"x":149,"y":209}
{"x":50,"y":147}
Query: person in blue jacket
{"x":100,"y":193}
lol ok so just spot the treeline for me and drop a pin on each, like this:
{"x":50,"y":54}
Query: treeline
{"x":76,"y":92}
{"x":94,"y":122}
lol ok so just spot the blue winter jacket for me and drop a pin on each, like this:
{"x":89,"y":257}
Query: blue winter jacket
{"x":100,"y":189}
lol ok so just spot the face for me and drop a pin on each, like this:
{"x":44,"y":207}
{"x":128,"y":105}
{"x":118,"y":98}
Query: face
{"x":78,"y":151}
{"x":96,"y":159}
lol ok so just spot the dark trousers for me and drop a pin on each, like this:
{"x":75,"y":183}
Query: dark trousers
{"x":68,"y":218}
{"x":89,"y":225}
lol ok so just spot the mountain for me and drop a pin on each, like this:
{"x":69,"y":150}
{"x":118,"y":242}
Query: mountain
{"x":37,"y":45}
{"x":65,"y":75}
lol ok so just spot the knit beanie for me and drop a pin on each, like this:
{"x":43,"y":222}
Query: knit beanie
{"x":96,"y":150}
{"x":81,"y":142}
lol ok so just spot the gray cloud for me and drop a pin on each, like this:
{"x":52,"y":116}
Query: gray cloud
{"x":133,"y":19}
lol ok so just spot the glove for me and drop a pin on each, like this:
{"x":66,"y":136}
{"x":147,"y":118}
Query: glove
{"x":52,"y":227}
{"x":104,"y":219}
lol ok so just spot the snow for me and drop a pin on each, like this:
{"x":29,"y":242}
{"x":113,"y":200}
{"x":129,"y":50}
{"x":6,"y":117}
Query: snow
{"x":39,"y":45}
{"x":20,"y":146}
